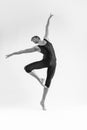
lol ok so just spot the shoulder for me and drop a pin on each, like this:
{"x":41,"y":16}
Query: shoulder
{"x":37,"y":48}
{"x":45,"y":39}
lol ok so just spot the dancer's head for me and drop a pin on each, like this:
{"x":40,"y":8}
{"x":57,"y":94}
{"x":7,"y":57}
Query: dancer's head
{"x":35,"y":39}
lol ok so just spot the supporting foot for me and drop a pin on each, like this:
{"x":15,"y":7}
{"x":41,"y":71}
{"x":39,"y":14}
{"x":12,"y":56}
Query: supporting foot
{"x":42,"y":104}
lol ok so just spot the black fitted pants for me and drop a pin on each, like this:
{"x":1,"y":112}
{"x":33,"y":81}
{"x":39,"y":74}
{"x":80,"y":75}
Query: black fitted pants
{"x":42,"y":64}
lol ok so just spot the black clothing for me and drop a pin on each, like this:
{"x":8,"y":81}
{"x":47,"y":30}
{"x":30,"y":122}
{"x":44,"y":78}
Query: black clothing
{"x":48,"y":52}
{"x":49,"y":61}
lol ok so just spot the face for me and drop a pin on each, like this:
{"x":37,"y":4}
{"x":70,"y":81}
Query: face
{"x":35,"y":40}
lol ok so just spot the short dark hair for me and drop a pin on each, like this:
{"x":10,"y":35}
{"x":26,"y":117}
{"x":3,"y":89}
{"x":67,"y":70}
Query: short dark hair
{"x":35,"y":37}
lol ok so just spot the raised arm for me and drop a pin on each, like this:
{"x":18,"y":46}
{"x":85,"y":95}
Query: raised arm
{"x":33,"y":49}
{"x":47,"y":27}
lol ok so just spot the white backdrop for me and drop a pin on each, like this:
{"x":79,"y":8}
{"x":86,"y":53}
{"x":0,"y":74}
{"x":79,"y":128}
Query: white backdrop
{"x":19,"y":21}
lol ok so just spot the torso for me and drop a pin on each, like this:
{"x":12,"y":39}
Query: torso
{"x":48,"y":51}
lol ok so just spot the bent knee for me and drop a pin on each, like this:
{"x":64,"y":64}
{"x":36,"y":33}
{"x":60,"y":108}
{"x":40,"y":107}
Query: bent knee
{"x":27,"y":69}
{"x":48,"y":83}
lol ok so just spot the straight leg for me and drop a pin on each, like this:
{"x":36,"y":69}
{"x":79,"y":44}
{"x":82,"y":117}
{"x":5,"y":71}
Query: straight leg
{"x":45,"y":91}
{"x":50,"y":73}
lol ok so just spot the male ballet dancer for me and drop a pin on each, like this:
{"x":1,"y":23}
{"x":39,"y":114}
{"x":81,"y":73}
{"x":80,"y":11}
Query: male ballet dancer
{"x":48,"y":61}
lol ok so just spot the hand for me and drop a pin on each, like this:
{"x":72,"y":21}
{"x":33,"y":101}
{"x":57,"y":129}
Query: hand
{"x":7,"y":56}
{"x":51,"y":15}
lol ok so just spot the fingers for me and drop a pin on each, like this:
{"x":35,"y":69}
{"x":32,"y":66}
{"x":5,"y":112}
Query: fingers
{"x":51,"y":15}
{"x":8,"y":56}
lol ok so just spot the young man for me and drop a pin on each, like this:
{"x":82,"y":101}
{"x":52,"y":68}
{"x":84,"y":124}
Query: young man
{"x":49,"y":60}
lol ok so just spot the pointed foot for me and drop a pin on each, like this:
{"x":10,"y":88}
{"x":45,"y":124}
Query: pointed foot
{"x":42,"y":82}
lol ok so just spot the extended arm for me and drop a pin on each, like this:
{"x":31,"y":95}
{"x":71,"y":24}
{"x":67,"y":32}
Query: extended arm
{"x":33,"y":49}
{"x":47,"y":27}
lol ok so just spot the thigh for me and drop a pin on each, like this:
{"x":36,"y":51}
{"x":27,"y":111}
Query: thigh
{"x":35,"y":65}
